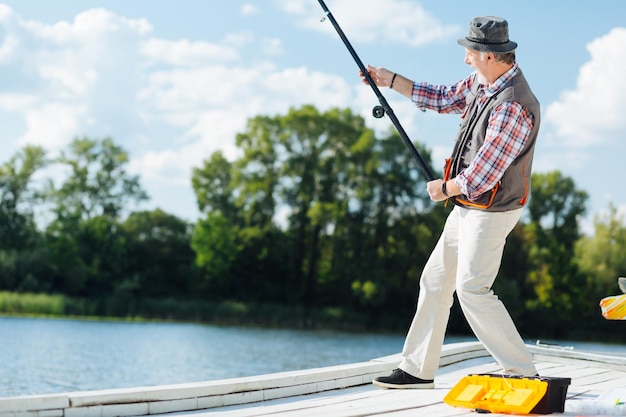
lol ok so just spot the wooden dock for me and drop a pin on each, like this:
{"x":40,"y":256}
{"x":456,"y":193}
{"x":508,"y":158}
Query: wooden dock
{"x":598,"y":387}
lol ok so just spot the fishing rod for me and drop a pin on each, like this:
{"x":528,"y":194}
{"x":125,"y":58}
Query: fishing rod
{"x":384,"y":107}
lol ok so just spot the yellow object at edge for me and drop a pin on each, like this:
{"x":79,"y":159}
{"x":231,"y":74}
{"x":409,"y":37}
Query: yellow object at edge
{"x":614,"y":308}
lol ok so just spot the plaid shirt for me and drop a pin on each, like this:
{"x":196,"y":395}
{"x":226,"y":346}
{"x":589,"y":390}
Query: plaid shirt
{"x":509,"y":128}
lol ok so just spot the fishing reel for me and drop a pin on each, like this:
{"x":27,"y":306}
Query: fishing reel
{"x":378,"y":112}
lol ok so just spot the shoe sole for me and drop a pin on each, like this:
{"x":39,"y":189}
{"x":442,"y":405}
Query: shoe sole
{"x":425,"y":385}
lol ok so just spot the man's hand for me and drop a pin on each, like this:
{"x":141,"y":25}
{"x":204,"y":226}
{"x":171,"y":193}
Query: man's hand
{"x":381,"y":76}
{"x":434,"y":190}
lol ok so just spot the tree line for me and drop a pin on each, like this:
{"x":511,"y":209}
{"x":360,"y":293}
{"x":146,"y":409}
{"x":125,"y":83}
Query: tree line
{"x":319,"y":222}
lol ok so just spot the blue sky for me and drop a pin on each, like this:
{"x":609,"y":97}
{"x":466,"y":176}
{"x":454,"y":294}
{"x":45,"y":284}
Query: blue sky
{"x":173,"y":82}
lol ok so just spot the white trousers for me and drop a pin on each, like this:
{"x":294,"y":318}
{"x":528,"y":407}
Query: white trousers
{"x":466,"y":259}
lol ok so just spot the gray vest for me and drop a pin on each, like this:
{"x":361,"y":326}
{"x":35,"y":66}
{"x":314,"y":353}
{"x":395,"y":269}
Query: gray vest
{"x":513,"y":189}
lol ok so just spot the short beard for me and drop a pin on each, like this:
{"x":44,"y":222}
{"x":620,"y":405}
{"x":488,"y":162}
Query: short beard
{"x":481,"y":79}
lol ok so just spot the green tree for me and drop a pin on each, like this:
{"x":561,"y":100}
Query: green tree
{"x":318,"y":178}
{"x":311,"y":208}
{"x":84,"y":237}
{"x":24,"y":262}
{"x":88,"y":258}
{"x":559,"y":287}
{"x":97,"y":184}
{"x":602,"y":256}
{"x":238,"y":245}
{"x":18,"y":197}
{"x":213,"y":186}
{"x":395,"y":227}
{"x":159,"y":258}
{"x":214,"y":241}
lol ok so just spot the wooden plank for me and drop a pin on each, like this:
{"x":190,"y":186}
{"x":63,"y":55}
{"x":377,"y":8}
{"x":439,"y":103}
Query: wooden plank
{"x":40,"y":413}
{"x":389,"y":401}
{"x":288,"y":405}
{"x":352,"y":373}
{"x":566,"y":355}
{"x":376,"y":401}
{"x":33,"y":403}
{"x":383,"y":402}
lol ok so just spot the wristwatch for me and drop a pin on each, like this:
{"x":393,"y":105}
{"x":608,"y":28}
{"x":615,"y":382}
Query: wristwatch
{"x":443,"y":189}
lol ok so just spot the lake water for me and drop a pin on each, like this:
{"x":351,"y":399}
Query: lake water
{"x":41,"y":356}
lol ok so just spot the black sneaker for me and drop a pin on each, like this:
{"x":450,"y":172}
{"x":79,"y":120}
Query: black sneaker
{"x":401,"y":379}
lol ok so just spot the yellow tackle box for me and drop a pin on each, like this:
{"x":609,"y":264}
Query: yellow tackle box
{"x":509,"y":394}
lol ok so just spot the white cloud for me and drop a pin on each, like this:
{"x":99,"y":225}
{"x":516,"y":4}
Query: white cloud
{"x":51,"y":125}
{"x":16,"y":102}
{"x":592,"y":113}
{"x":90,"y":26}
{"x":186,"y":53}
{"x":272,"y":46}
{"x":250,"y":9}
{"x":238,"y":40}
{"x":73,"y":78}
{"x":69,"y":82}
{"x":582,"y":132}
{"x":389,"y":21}
{"x":8,"y":46}
{"x":170,"y":103}
{"x":159,"y":165}
{"x":213,"y":103}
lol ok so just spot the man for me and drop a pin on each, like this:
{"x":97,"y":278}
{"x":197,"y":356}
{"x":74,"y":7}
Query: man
{"x":487,"y":178}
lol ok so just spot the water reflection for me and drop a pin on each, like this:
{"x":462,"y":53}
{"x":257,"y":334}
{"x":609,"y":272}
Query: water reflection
{"x":44,"y":356}
{"x":41,"y":356}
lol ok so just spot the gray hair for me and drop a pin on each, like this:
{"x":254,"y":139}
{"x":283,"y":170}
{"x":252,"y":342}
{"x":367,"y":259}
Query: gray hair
{"x":505,"y":57}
